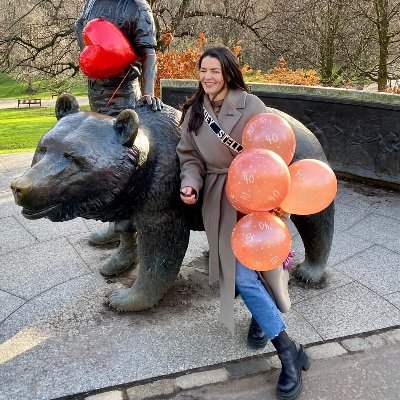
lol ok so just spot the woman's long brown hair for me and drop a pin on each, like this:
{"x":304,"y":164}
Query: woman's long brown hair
{"x":232,"y":76}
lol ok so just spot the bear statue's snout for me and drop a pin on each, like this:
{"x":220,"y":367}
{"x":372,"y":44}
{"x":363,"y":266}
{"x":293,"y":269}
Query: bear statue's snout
{"x":32,"y":197}
{"x":21,"y":187}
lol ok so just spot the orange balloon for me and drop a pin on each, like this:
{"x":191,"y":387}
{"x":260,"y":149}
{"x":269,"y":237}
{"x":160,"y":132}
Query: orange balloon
{"x":261,"y":241}
{"x":258,"y":180}
{"x":313,"y":187}
{"x":232,"y":199}
{"x":272,"y":132}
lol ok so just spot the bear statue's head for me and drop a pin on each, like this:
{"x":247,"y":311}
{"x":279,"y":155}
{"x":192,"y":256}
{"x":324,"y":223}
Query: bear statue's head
{"x":81,"y":167}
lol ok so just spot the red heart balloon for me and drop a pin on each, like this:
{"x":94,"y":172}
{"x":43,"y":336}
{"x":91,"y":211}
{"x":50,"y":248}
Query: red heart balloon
{"x":107,"y":52}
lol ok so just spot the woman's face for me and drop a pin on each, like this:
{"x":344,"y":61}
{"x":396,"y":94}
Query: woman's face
{"x":211,"y":78}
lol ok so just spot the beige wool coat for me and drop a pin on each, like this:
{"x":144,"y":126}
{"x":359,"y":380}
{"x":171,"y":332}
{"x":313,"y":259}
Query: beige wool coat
{"x":204,"y":162}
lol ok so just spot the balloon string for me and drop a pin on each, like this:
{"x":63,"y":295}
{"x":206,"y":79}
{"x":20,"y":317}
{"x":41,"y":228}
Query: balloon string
{"x":116,"y":90}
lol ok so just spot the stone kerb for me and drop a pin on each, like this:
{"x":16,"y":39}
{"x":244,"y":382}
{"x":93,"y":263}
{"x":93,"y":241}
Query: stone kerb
{"x":359,"y":130}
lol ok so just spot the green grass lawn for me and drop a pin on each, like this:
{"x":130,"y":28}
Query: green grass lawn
{"x":21,"y":128}
{"x":14,"y":89}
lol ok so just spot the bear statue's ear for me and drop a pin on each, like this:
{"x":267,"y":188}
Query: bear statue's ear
{"x":65,"y":104}
{"x":127,"y":126}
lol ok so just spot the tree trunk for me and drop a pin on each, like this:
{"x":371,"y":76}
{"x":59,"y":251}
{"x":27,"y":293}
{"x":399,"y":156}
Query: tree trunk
{"x":328,"y":41}
{"x":381,"y":9}
{"x":327,"y":61}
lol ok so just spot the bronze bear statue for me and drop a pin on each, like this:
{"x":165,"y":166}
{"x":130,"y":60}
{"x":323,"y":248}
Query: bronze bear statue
{"x":98,"y":167}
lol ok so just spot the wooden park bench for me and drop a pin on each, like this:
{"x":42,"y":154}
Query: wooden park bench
{"x":30,"y":101}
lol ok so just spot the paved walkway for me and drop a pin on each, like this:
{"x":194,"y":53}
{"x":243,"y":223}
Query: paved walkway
{"x":58,"y":339}
{"x":13,"y":103}
{"x":359,"y":368}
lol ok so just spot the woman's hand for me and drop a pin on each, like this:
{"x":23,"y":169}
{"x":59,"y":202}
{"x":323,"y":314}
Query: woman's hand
{"x":188,"y":195}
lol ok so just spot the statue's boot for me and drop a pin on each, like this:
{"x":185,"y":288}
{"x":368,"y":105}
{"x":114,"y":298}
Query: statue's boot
{"x":125,"y":258}
{"x":104,"y":236}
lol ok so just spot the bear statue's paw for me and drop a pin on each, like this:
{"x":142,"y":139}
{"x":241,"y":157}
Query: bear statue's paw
{"x":309,"y":275}
{"x":116,"y":264}
{"x":125,"y":299}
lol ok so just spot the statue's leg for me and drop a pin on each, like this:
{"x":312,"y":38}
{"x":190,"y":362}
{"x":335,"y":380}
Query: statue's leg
{"x":104,"y":236}
{"x":162,"y":240}
{"x":126,"y":256}
{"x":316,"y":231}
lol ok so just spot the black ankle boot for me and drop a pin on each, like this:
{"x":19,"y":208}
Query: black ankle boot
{"x":256,"y":338}
{"x":293,"y":360}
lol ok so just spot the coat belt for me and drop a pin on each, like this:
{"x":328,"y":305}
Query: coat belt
{"x":217,"y":171}
{"x":221,"y":270}
{"x":218,"y":181}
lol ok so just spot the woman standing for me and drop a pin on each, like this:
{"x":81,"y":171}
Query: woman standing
{"x":205,"y":159}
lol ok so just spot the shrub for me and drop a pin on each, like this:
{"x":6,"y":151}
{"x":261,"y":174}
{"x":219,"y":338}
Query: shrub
{"x":175,"y":64}
{"x":393,"y":90}
{"x":282,"y":74}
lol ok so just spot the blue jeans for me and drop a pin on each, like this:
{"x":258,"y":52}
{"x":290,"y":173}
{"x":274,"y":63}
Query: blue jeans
{"x":258,"y":301}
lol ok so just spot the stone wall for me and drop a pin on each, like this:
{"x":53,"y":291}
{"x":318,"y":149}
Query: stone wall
{"x":359,"y":131}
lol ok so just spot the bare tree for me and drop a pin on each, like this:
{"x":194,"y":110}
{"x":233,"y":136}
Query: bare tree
{"x":252,"y":22}
{"x":38,"y":40}
{"x":374,"y":54}
{"x":336,"y":37}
